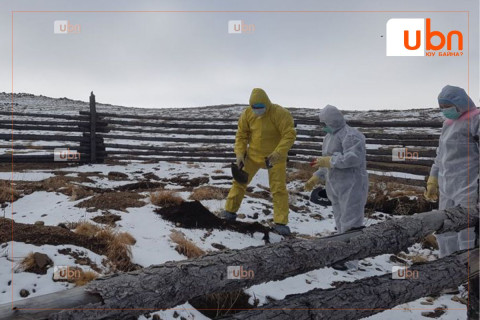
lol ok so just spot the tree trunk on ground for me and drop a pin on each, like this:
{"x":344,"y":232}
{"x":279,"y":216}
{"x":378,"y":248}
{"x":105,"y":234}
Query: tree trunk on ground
{"x":365,"y":297}
{"x":473,"y":287}
{"x":173,"y":283}
{"x":473,"y":302}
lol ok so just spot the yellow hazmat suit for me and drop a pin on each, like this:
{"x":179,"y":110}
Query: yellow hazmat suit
{"x":258,"y":137}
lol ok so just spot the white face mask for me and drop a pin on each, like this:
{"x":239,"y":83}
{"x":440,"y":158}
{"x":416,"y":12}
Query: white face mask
{"x":259,"y":112}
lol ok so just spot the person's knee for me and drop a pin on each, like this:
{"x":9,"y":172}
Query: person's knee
{"x":279,"y":192}
{"x":278,"y":186}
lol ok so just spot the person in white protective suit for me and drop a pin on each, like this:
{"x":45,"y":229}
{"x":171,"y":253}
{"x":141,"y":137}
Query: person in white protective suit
{"x":454,"y":173}
{"x":342,"y":169}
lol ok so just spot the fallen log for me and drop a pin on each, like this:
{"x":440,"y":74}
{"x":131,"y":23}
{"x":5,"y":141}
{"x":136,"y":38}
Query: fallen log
{"x":473,"y":285}
{"x":164,"y":286}
{"x":368,"y":296}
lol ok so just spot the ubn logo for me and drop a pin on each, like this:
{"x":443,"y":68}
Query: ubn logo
{"x":413,"y":37}
{"x":402,"y":154}
{"x":65,"y":154}
{"x":238,"y":26}
{"x":64,"y":27}
{"x":237,"y":272}
{"x":404,"y":273}
{"x":66,"y":273}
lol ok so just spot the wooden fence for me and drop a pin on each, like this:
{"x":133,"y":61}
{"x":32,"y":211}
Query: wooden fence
{"x":136,"y":137}
{"x":86,"y":145}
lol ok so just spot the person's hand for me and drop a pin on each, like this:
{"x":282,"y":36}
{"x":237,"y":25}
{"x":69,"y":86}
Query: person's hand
{"x":311,"y":183}
{"x":432,"y":189}
{"x":322,"y":162}
{"x":274,"y":158}
{"x":240,"y":160}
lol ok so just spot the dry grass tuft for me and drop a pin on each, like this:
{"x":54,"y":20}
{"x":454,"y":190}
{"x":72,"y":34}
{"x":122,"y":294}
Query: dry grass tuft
{"x":418,"y":259}
{"x":106,"y":234}
{"x":8,"y":191}
{"x":185,"y":246}
{"x":28,"y":262}
{"x":55,"y":183}
{"x":77,"y":192}
{"x":87,"y":229}
{"x":208,"y":193}
{"x":430,"y":242}
{"x":165,"y":198}
{"x":119,"y":254}
{"x":85,"y":277}
{"x":126,"y":238}
{"x":118,"y":249}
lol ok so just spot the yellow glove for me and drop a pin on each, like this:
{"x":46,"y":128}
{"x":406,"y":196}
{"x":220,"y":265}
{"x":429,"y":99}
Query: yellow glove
{"x":322,"y":162}
{"x":274,"y":158}
{"x":240,"y":160}
{"x":311,"y":183}
{"x":432,"y":189}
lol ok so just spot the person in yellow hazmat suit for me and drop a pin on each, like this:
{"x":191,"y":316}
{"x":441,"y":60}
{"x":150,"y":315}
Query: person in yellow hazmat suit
{"x":265,"y":130}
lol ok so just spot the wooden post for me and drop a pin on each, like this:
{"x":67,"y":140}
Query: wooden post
{"x":93,"y":125}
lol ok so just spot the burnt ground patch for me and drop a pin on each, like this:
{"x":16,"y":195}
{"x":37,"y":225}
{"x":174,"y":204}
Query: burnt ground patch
{"x":108,"y":219}
{"x":193,"y":214}
{"x":40,"y":235}
{"x":120,"y":201}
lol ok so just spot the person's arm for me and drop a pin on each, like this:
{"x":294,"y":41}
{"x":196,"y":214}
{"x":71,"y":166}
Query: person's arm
{"x":286,"y":127}
{"x":434,"y":168}
{"x":321,"y":174}
{"x":242,"y":136}
{"x":353,"y":153}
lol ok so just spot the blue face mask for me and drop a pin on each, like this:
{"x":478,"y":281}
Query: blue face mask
{"x":259,"y":109}
{"x":451,"y":113}
{"x":327,"y":129}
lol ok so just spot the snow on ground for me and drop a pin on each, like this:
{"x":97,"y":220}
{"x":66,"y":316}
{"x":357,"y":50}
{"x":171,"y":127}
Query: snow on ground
{"x":31,"y":175}
{"x":49,"y":207}
{"x":151,"y":232}
{"x":398,"y":175}
{"x":36,"y":284}
{"x":153,"y":245}
{"x":186,"y":311}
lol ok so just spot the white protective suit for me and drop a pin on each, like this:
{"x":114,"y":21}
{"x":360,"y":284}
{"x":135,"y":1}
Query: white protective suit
{"x":456,"y":166}
{"x":347,"y":179}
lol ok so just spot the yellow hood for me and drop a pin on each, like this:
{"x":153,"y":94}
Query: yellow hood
{"x":259,"y":96}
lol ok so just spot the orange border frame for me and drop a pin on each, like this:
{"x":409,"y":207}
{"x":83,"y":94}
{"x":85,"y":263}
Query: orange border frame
{"x":251,"y":11}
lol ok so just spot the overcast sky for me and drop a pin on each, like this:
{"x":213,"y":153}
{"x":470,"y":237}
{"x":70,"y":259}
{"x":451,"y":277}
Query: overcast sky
{"x":189,"y":59}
